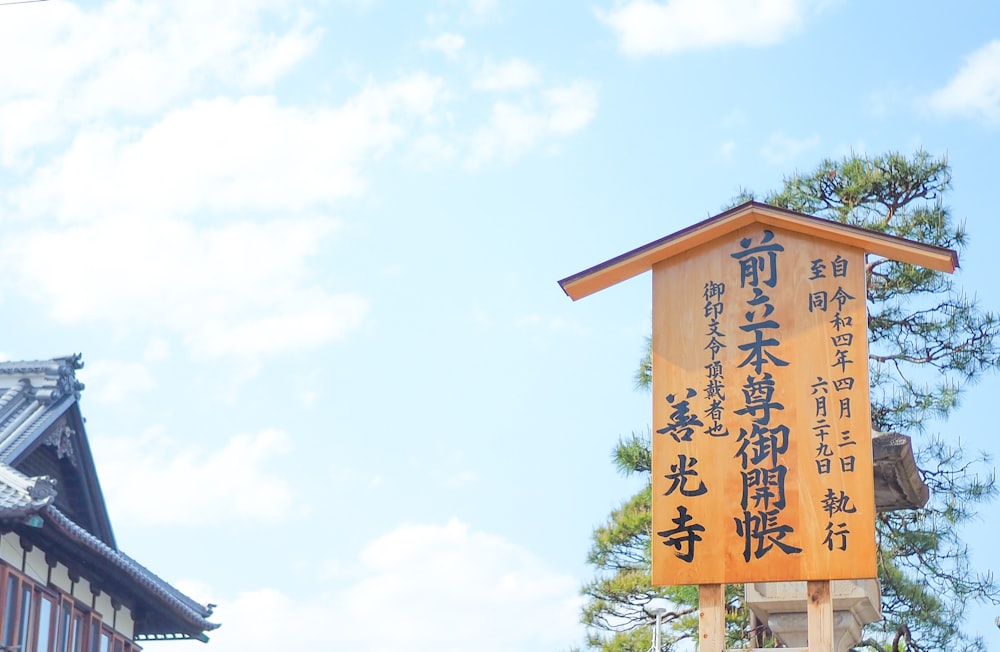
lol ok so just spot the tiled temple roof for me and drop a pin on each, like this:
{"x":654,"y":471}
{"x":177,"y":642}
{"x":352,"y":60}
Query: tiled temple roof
{"x":34,"y":396}
{"x":177,"y":601}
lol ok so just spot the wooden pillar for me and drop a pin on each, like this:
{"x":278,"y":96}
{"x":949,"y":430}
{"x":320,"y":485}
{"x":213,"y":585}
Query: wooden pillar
{"x":820,"y":614}
{"x":712,"y":617}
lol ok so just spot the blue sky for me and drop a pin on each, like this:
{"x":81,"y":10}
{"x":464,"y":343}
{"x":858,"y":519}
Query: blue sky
{"x":309,"y":252}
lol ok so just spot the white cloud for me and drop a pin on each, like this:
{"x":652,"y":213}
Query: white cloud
{"x":727,"y":149}
{"x":136,"y":58}
{"x":227,"y":155}
{"x":277,"y":56}
{"x":430,"y":150}
{"x":448,"y":44}
{"x":974,"y":92}
{"x":157,"y":350}
{"x":144,"y":233}
{"x":478,"y":11}
{"x":782,"y":149}
{"x":571,"y":107}
{"x":152,"y":479}
{"x":212,"y":222}
{"x":734,"y":119}
{"x":422,"y":588}
{"x":514,"y":129}
{"x":531,"y":114}
{"x":110,"y":381}
{"x":647,"y":27}
{"x":240,"y":289}
{"x":462,"y":478}
{"x":482,"y":7}
{"x":514,"y":74}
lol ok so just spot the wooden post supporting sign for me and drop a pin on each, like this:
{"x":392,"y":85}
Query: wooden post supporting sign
{"x":711,"y":617}
{"x":820,"y":611}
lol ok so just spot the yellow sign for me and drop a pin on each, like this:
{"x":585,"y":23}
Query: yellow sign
{"x":762,"y":467}
{"x":762,"y":458}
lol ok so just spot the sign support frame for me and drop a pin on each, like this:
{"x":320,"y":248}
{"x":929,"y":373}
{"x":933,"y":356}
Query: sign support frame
{"x":712,"y":619}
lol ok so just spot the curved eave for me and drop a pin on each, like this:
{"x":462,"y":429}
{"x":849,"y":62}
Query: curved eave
{"x":190,"y":617}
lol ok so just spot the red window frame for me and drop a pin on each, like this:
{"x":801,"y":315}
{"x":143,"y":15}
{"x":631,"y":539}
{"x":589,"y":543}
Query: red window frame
{"x":71,"y":626}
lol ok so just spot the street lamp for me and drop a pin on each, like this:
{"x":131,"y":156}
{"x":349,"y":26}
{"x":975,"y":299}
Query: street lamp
{"x":657,"y":607}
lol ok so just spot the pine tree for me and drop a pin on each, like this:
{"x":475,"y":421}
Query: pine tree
{"x":927,"y":341}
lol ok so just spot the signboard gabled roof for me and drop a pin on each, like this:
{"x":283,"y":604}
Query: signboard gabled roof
{"x":643,"y":258}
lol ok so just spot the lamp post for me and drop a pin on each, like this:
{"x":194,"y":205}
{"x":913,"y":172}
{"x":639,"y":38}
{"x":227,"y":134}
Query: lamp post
{"x":656,"y":608}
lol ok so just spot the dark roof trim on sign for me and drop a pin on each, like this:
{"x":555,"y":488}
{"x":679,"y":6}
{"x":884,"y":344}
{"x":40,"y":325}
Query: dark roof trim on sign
{"x":643,"y":258}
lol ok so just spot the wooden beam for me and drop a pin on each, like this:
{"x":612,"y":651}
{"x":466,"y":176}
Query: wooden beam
{"x":820,"y":614}
{"x":712,"y":617}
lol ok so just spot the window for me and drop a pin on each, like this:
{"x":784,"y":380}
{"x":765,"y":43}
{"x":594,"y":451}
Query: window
{"x":39,"y":619}
{"x":45,"y":629}
{"x":10,"y":611}
{"x":16,"y":613}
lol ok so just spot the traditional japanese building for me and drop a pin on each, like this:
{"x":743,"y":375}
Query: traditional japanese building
{"x":64,"y":584}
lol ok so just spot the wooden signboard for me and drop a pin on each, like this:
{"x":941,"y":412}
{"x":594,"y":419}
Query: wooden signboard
{"x":762,"y":466}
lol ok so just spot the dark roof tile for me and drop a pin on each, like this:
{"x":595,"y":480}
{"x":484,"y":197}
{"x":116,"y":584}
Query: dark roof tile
{"x":33,"y":396}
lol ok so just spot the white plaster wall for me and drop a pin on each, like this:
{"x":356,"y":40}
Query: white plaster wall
{"x":10,"y":550}
{"x":124,"y":623}
{"x":103,"y":606}
{"x":83,"y":592}
{"x":60,"y":578}
{"x":35,"y":566}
